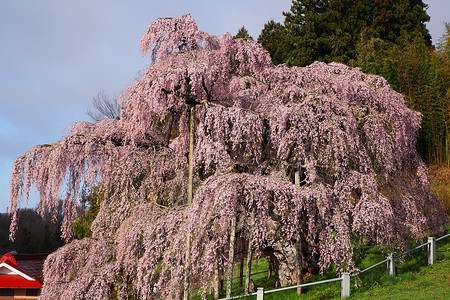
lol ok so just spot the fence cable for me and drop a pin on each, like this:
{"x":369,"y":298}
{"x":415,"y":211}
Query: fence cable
{"x":357,"y":278}
{"x":410,"y":268}
{"x":329,"y":293}
{"x":372,"y":282}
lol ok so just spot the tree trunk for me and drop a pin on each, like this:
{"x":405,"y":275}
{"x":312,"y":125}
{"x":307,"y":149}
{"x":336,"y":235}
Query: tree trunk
{"x":249,"y":251}
{"x":231,"y":256}
{"x":447,"y":144}
{"x":167,"y":141}
{"x":189,"y":200}
{"x":220,"y":280}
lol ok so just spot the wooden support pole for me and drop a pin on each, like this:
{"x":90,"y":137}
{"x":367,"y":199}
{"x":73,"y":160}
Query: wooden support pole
{"x":191,"y":154}
{"x":299,"y":245}
{"x":241,"y":262}
{"x":269,"y":271}
{"x":186,"y":268}
{"x":431,"y":250}
{"x":163,"y":160}
{"x":299,"y":266}
{"x":189,"y":199}
{"x":297,"y":178}
{"x":231,"y":256}
{"x":345,"y":285}
{"x":249,"y":251}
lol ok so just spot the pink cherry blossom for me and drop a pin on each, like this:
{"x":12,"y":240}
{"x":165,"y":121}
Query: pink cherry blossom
{"x":348,"y":133}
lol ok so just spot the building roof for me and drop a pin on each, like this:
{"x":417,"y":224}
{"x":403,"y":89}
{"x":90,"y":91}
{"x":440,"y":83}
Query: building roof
{"x":32,"y":264}
{"x":17,"y":281}
{"x":12,"y":276}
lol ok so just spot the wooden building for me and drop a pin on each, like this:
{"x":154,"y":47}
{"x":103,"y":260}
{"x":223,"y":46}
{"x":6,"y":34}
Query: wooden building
{"x":21,"y":276}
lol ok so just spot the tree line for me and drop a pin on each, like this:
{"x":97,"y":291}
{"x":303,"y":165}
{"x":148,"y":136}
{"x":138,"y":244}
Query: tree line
{"x":382,"y":37}
{"x":35,"y":234}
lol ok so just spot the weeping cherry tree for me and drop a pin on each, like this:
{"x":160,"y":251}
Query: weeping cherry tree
{"x":217,"y":144}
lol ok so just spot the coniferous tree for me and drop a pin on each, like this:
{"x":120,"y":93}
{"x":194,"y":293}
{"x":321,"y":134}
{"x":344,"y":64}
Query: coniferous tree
{"x":329,"y":30}
{"x":242,"y":34}
{"x":273,"y":38}
{"x":384,"y":37}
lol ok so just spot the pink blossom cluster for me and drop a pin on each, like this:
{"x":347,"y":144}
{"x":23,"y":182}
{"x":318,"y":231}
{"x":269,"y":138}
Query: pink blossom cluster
{"x":257,"y":126}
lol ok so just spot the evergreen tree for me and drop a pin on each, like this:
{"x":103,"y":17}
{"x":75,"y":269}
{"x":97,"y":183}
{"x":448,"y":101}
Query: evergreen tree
{"x":243,"y":34}
{"x":273,"y":39}
{"x":329,"y":30}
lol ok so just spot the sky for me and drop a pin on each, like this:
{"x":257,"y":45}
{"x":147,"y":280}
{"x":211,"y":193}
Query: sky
{"x":55,"y":56}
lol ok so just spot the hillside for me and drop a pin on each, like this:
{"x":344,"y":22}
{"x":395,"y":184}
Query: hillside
{"x":440,"y":183}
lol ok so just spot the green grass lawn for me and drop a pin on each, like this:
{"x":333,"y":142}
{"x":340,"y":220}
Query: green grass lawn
{"x":415,"y":279}
{"x":415,"y":282}
{"x":431,"y":282}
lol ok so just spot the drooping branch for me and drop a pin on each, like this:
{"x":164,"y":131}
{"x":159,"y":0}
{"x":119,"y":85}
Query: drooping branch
{"x":361,"y":179}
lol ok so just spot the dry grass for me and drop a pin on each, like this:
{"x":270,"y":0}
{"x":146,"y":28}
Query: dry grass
{"x":440,"y":183}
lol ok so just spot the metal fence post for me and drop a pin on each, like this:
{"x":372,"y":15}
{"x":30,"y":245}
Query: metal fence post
{"x":260,"y":293}
{"x":391,"y":265}
{"x":345,"y":285}
{"x":431,"y":250}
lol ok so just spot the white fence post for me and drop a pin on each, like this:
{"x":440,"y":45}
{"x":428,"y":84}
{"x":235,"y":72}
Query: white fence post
{"x":431,"y":250}
{"x":391,"y":265}
{"x":345,"y":285}
{"x":260,"y":293}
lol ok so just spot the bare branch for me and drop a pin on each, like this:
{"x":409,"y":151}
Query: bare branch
{"x":104,"y":108}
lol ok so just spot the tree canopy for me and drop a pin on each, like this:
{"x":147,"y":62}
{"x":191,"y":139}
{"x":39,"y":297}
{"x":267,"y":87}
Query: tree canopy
{"x":323,"y":156}
{"x":329,"y":30}
{"x":242,"y":34}
{"x":383,"y":37}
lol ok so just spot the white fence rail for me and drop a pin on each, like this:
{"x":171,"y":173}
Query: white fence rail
{"x":345,"y":277}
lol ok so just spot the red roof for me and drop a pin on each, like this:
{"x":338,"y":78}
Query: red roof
{"x":15,"y":277}
{"x":17,"y":281}
{"x":8,"y":258}
{"x":32,"y":264}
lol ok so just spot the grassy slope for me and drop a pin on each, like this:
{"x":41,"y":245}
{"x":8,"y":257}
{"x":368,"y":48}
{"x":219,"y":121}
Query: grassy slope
{"x":427,"y":282}
{"x":415,"y":279}
{"x":431,"y":282}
